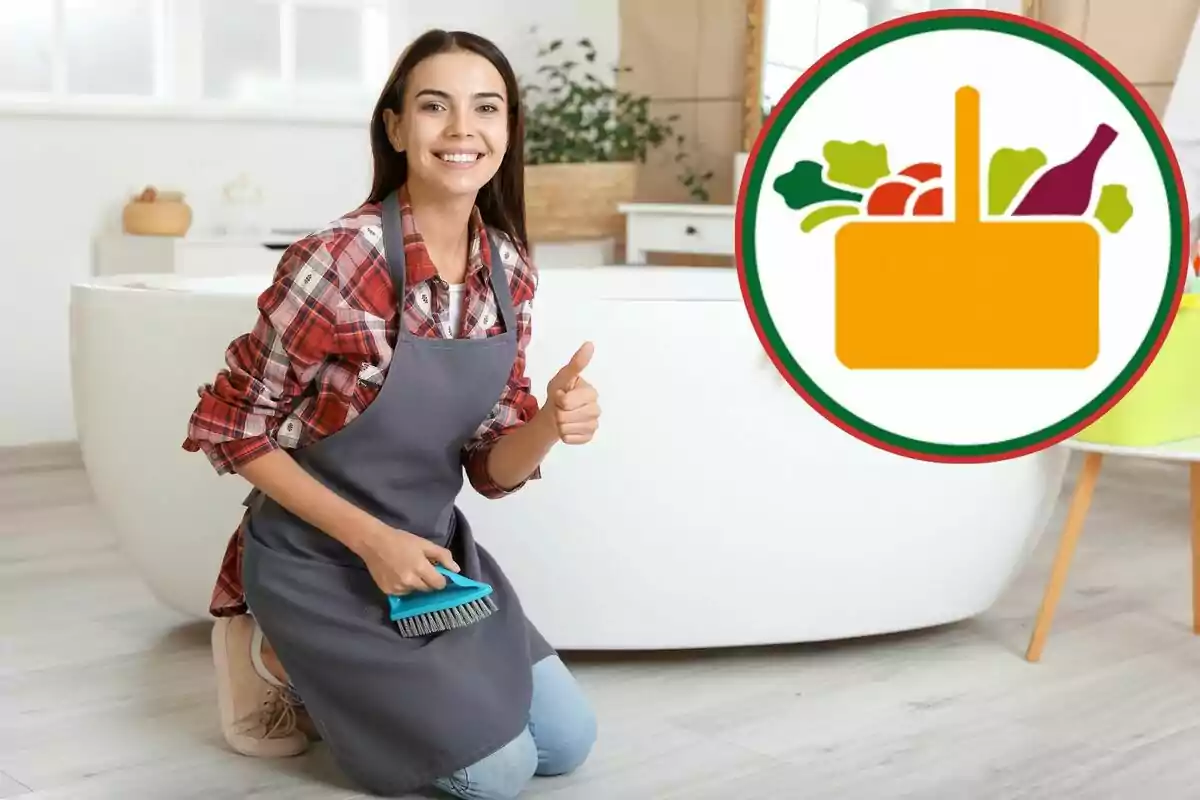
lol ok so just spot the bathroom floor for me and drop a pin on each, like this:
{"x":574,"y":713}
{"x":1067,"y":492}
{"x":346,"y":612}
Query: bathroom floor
{"x":104,"y":694}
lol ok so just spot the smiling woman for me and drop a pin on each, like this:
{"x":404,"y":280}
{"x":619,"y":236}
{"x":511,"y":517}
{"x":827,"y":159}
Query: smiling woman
{"x":462,"y":115}
{"x":387,"y":361}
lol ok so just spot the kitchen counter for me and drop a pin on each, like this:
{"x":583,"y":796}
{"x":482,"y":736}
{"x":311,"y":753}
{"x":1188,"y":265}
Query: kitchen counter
{"x":713,"y":495}
{"x":201,"y":255}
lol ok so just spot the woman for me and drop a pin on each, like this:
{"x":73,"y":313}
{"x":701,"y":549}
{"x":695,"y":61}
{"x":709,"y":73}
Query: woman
{"x":387,"y":359}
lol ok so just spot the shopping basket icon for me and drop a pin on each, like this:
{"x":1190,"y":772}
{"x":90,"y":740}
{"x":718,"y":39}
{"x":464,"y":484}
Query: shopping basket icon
{"x":967,"y":293}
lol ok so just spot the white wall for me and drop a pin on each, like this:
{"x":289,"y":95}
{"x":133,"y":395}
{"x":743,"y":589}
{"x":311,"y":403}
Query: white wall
{"x":63,"y":179}
{"x":507,"y":23}
{"x":1181,"y":119}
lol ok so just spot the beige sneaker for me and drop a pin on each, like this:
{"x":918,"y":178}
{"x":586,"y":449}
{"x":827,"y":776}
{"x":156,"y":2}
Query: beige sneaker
{"x":304,"y":722}
{"x":257,"y":717}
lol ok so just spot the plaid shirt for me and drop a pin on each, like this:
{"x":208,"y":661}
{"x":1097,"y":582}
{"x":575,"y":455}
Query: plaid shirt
{"x":320,"y":349}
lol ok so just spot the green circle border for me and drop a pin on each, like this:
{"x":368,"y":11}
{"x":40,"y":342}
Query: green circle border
{"x":778,"y":123}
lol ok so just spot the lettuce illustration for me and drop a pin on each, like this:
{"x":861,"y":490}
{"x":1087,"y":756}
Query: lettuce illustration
{"x":826,"y":213}
{"x":858,"y":164}
{"x":804,"y":186}
{"x":1007,"y":173}
{"x":1113,"y":209}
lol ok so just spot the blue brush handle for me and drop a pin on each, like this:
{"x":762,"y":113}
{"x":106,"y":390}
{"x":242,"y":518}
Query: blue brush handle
{"x":458,"y":578}
{"x":455,"y":581}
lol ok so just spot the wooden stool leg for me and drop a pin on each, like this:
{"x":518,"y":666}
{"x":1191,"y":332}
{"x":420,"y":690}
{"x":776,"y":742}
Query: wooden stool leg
{"x":1076,"y":514}
{"x":1194,"y":473}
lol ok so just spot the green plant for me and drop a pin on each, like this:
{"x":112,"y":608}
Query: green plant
{"x":695,"y":182}
{"x":572,"y":117}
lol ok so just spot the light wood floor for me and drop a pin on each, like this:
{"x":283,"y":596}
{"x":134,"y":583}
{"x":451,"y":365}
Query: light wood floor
{"x":104,"y":694}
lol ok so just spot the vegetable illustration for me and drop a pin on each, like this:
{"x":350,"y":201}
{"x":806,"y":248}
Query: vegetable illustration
{"x":1007,"y":173}
{"x":891,"y":198}
{"x":856,"y":179}
{"x":928,"y":204}
{"x":1113,"y":209}
{"x":923,"y":172}
{"x":857,"y":164}
{"x":804,"y":186}
{"x":826,"y":213}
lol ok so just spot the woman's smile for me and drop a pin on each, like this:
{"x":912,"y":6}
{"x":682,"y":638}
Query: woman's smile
{"x":459,"y":159}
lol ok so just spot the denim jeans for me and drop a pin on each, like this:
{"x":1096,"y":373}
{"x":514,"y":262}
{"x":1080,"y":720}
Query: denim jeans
{"x":561,"y":731}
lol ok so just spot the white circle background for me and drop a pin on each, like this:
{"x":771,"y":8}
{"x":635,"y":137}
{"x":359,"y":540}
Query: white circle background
{"x":902,"y":94}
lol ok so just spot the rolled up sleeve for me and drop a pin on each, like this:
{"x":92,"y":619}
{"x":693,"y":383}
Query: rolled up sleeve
{"x":239,"y":413}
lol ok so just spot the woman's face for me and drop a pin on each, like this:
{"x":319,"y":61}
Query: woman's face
{"x":454,"y":128}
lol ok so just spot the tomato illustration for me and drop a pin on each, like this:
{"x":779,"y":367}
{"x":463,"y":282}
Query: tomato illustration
{"x":928,"y":203}
{"x":889,"y":199}
{"x":893,"y":196}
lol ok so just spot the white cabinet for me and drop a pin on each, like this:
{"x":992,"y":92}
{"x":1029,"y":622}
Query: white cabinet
{"x":677,"y":228}
{"x":204,"y":257}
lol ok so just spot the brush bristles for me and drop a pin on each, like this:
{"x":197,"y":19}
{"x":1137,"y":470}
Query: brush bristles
{"x":447,"y":619}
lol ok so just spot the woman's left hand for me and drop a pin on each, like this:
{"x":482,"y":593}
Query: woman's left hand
{"x":573,"y":402}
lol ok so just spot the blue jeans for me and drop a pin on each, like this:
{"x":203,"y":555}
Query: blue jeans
{"x":561,"y":731}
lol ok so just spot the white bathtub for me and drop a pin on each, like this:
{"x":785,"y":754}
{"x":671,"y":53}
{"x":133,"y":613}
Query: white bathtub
{"x":713,"y":496}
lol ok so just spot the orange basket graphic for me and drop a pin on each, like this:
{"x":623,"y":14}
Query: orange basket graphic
{"x":966,"y":293}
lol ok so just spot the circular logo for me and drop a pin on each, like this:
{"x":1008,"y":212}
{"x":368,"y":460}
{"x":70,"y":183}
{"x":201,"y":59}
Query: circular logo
{"x":962,"y":236}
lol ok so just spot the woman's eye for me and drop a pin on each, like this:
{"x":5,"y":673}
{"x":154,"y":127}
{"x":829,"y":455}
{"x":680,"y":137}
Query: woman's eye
{"x":433,"y":107}
{"x":488,"y":108}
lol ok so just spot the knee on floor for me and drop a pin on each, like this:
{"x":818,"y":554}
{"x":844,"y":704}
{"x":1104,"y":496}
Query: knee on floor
{"x":563,"y":747}
{"x":503,"y":775}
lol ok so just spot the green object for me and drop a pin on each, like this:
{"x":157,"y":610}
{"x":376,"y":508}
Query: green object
{"x":576,"y":112}
{"x":858,"y":164}
{"x":1113,"y":209}
{"x":1008,"y":171}
{"x":804,"y":186}
{"x":1164,"y":405}
{"x":824,"y":214}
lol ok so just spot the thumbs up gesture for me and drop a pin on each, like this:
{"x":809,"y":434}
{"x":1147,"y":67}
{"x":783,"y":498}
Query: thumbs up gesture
{"x":572,"y":401}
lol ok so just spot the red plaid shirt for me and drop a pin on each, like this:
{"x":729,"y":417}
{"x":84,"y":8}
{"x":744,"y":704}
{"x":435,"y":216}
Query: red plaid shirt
{"x":320,"y":349}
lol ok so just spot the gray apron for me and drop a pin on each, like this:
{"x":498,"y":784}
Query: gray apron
{"x":398,"y":713}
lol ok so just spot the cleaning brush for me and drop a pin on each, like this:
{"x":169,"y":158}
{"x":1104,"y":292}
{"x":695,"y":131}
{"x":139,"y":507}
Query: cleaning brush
{"x":461,"y":603}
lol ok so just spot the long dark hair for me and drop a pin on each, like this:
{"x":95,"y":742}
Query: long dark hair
{"x":502,"y":201}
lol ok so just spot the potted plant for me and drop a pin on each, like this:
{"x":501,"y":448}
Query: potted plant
{"x":584,"y":141}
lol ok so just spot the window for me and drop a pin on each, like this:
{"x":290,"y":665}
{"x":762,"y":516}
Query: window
{"x":27,"y":47}
{"x":799,"y":34}
{"x":241,"y":50}
{"x":292,"y":51}
{"x":311,"y":58}
{"x":108,"y":46}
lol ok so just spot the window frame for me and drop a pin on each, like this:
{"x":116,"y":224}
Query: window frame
{"x":177,"y":69}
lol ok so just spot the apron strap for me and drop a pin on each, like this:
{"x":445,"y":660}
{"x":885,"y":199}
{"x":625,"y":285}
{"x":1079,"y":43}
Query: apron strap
{"x":393,"y":246}
{"x":393,"y":243}
{"x":500,"y":287}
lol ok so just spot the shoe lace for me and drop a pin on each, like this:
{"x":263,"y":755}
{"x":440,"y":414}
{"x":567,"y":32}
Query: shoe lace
{"x":278,"y":713}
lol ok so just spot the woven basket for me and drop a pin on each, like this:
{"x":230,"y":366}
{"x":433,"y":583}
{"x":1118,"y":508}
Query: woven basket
{"x":578,"y":201}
